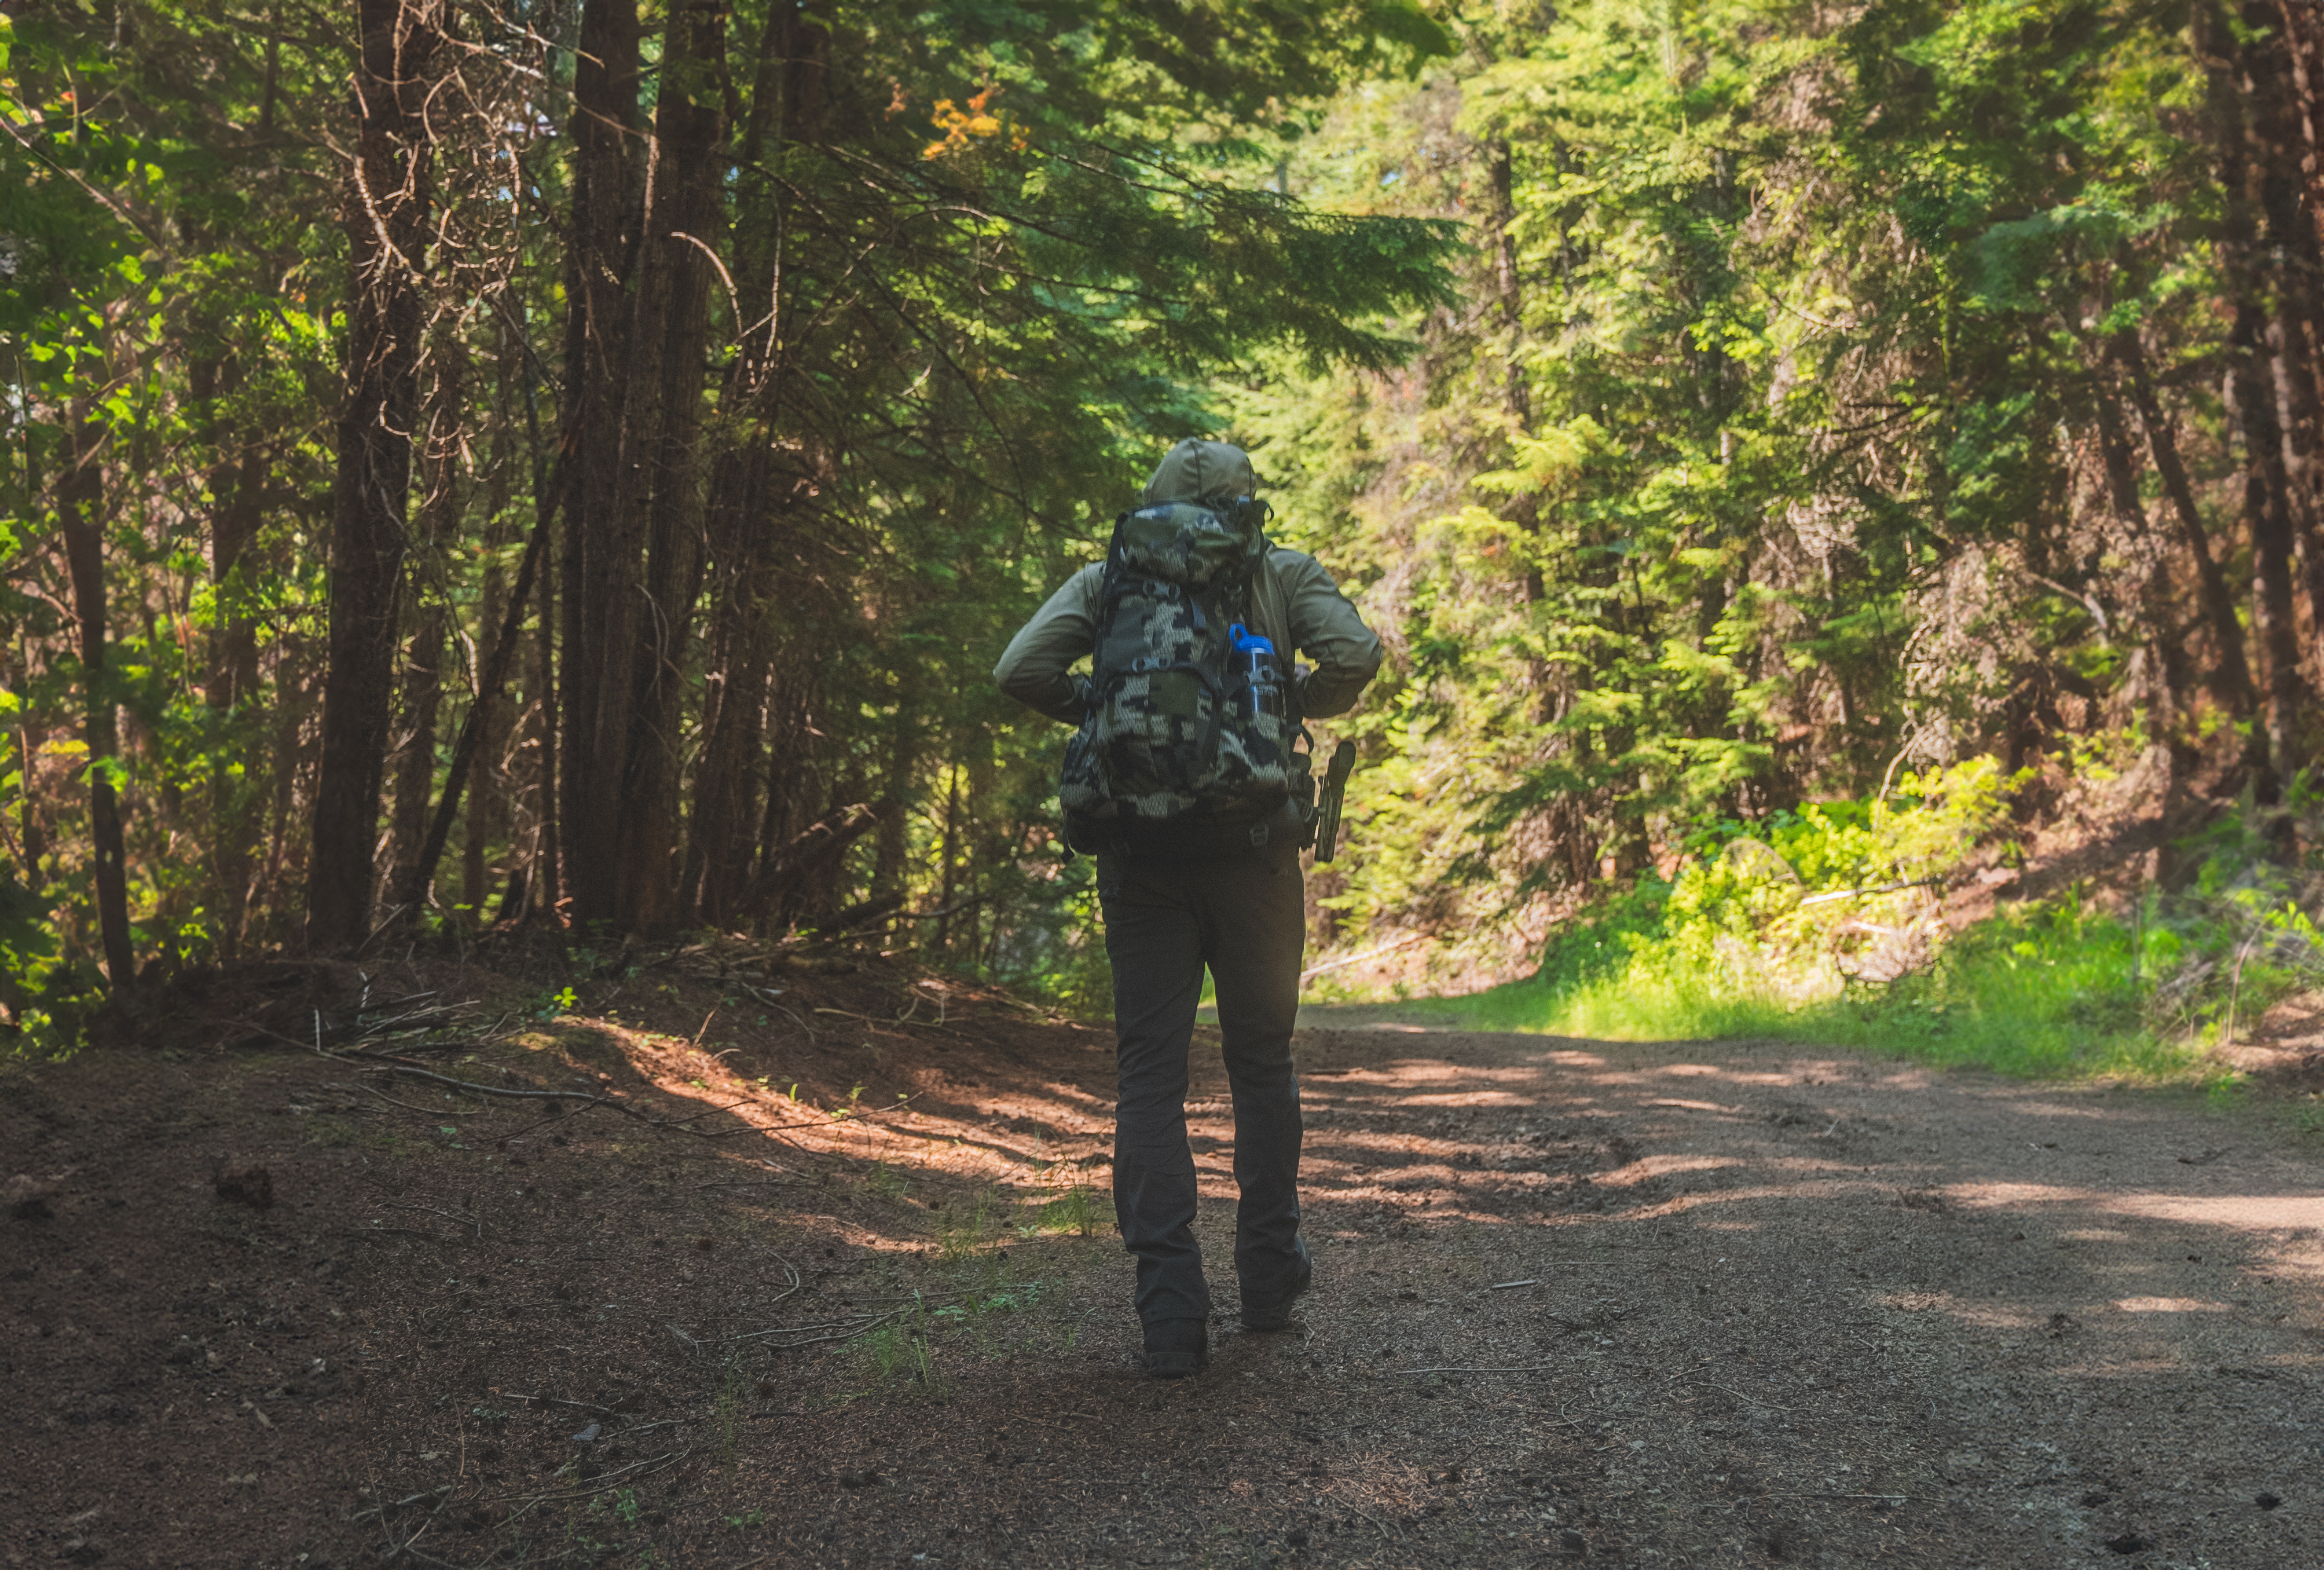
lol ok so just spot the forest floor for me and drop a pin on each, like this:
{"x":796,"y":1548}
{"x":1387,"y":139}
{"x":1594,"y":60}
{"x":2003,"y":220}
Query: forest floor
{"x":1698,"y":1304}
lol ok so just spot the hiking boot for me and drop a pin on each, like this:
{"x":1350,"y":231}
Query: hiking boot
{"x":1273,"y":1312}
{"x":1176,"y":1348}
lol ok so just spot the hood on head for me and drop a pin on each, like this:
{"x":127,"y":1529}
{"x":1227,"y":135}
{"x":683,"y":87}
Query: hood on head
{"x":1200,"y":471}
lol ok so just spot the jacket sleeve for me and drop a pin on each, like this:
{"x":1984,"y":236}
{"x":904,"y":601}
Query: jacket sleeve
{"x":1032,"y":670}
{"x":1326,"y":629}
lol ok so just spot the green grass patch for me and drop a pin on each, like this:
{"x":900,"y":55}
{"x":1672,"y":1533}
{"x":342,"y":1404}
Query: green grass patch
{"x":2039,"y":991}
{"x":1825,"y":928}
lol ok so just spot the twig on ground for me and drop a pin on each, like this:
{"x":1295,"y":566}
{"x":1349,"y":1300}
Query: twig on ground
{"x":431,"y":1112}
{"x":871,"y":1323}
{"x":1738,"y":1394}
{"x":405,"y":1547}
{"x":1530,"y":1367}
{"x":380,"y":1510}
{"x":454,"y":1217}
{"x":597,"y":1485}
{"x":1391,"y":1537}
{"x":558,"y":1401}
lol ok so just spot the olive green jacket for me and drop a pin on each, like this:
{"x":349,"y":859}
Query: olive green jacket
{"x":1298,"y":608}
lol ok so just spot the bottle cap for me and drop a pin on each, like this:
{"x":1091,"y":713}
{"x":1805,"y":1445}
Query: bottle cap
{"x":1245,"y":640}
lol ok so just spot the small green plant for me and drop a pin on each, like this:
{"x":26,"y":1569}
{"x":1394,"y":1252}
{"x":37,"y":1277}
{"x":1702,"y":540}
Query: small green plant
{"x":886,"y":1183}
{"x":961,"y":1230}
{"x":1072,"y":1209}
{"x":729,"y":1417}
{"x":749,"y":1521}
{"x":551,"y":1005}
{"x":904,"y":1346}
{"x":625,"y":1507}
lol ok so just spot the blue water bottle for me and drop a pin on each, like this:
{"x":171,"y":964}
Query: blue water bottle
{"x":1262,"y":678}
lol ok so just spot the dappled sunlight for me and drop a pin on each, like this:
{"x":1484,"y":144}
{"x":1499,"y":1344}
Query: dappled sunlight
{"x":2231,"y":1211}
{"x":2051,"y":1109}
{"x":1652,"y":1166}
{"x":1772,"y":1239}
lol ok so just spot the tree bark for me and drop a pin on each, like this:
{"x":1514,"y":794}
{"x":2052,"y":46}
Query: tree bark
{"x":2244,"y":81}
{"x":748,"y":499}
{"x":596,"y":379}
{"x":414,"y":762}
{"x":2279,"y":90}
{"x":80,"y":501}
{"x":2166,"y":650}
{"x":544,"y":873}
{"x":734,"y":677}
{"x":236,"y":482}
{"x":2230,"y":677}
{"x":1525,"y":508}
{"x":488,"y":800}
{"x":387,"y":205}
{"x":683,"y":226}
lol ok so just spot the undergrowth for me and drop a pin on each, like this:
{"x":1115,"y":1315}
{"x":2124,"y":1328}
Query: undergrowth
{"x":1826,"y":926}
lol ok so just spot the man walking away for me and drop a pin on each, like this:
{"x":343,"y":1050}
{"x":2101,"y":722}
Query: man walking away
{"x":1184,"y":781}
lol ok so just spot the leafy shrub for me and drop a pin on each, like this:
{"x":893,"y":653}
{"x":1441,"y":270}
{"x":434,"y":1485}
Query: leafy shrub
{"x":1760,"y":935}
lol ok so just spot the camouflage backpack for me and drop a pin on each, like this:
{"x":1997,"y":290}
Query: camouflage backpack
{"x":1175,"y":747}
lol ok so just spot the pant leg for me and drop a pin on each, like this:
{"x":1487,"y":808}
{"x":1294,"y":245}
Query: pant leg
{"x":1152,"y":938}
{"x":1254,"y":933}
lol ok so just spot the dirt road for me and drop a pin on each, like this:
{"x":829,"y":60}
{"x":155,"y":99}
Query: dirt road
{"x":1683,"y":1305}
{"x":1726,"y":1304}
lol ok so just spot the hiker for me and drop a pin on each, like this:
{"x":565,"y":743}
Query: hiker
{"x":1186,"y":781}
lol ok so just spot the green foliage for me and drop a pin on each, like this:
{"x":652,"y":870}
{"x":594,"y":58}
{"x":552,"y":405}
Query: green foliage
{"x":981,"y":339}
{"x":2056,"y":986}
{"x":1075,"y":1209}
{"x":1757,"y":469}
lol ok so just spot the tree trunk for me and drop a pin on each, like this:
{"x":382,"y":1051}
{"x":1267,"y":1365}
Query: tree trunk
{"x":80,"y":502}
{"x":735,"y":696}
{"x":683,"y":225}
{"x":597,"y":377}
{"x":488,"y":797}
{"x":237,"y":485}
{"x":1525,"y":507}
{"x":2166,"y":649}
{"x":423,"y":662}
{"x":2231,"y":678}
{"x":2277,"y":86}
{"x":544,"y":873}
{"x":743,"y":512}
{"x":386,"y":218}
{"x":2249,"y":385}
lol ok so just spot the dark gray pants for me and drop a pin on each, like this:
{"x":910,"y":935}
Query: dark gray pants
{"x":1246,"y":918}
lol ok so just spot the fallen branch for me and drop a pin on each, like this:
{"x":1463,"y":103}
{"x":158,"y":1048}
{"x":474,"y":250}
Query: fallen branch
{"x":597,"y":1485}
{"x":454,"y":1217}
{"x":1374,"y":953}
{"x":1883,"y":889}
{"x":845,"y":1115}
{"x":1723,"y":1390}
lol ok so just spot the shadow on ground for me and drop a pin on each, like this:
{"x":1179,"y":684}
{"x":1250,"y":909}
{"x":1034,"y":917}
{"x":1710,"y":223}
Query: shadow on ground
{"x":1678,"y":1303}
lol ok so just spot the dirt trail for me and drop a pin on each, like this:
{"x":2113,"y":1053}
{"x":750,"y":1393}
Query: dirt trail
{"x":1697,"y":1304}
